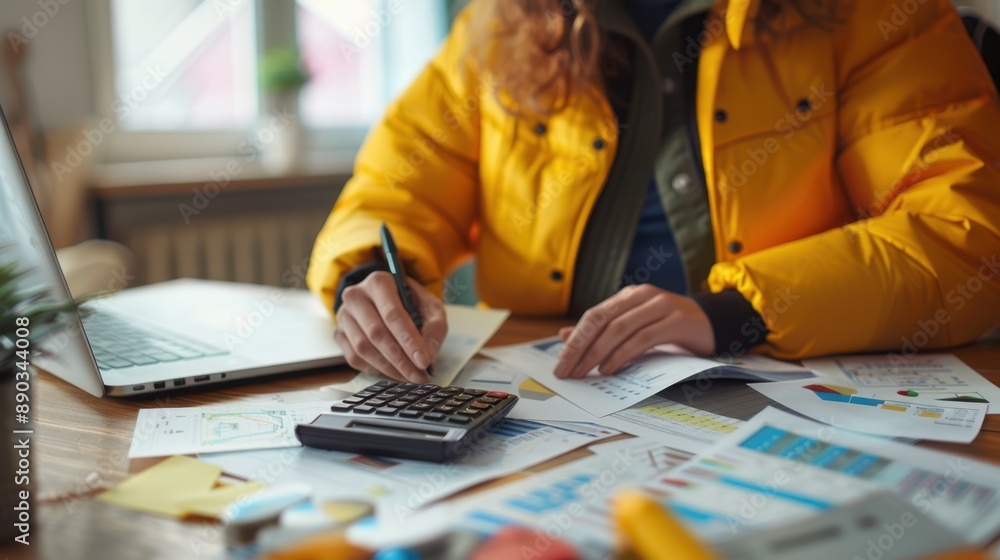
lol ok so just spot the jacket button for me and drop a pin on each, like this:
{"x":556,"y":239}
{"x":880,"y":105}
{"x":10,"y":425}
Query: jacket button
{"x":681,"y":182}
{"x":540,"y":128}
{"x":721,"y":116}
{"x":599,"y":144}
{"x":803,"y":106}
{"x":556,"y":275}
{"x":735,"y":247}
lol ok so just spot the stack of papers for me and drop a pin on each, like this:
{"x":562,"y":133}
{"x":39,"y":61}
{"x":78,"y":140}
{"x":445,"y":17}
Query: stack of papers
{"x":603,"y":395}
{"x":709,"y":449}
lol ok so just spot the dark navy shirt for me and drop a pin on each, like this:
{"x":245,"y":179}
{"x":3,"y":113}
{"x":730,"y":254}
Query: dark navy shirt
{"x":654,"y":257}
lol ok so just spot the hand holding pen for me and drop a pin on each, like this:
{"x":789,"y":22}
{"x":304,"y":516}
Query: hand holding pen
{"x":378,"y":332}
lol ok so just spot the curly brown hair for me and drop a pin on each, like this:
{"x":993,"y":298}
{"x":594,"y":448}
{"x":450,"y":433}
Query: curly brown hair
{"x":539,"y":52}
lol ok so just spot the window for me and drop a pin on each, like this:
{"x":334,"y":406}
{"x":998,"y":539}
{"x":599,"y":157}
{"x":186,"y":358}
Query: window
{"x":181,"y":76}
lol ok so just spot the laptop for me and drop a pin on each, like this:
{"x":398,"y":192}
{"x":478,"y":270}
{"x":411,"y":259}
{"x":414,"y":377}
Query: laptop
{"x":163,"y":336}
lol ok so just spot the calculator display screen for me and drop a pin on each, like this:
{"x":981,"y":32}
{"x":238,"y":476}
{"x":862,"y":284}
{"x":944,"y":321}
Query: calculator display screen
{"x":405,"y":430}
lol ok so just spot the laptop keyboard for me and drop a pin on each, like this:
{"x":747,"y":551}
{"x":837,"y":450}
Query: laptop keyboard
{"x":118,"y":343}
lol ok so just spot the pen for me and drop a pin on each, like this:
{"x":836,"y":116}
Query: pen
{"x":399,"y":274}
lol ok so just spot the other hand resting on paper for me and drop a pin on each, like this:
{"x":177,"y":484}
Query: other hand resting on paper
{"x":623,"y":327}
{"x":377,"y":335}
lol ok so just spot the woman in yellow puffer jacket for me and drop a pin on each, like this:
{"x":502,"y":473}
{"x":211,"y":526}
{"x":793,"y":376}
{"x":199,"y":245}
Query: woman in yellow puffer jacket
{"x":803,"y":177}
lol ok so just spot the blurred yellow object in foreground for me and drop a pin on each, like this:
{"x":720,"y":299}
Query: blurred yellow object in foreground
{"x":651,"y":533}
{"x":324,"y":546}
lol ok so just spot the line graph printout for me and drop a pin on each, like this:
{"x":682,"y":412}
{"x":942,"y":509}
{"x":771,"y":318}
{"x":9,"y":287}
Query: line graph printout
{"x":162,"y":432}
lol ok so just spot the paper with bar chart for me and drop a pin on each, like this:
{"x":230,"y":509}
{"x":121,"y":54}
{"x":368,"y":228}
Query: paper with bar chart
{"x":901,"y":416}
{"x":779,"y":467}
{"x":162,"y":432}
{"x":934,"y":376}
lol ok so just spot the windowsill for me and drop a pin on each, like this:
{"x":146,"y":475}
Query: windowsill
{"x":160,"y":177}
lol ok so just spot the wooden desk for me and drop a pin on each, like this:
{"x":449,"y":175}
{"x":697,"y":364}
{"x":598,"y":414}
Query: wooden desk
{"x":81,"y":444}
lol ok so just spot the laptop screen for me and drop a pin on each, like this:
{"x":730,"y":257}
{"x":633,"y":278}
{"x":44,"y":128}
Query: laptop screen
{"x":24,"y":240}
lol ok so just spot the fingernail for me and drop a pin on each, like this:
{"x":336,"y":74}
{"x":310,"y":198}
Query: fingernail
{"x":560,"y":365}
{"x":421,"y":360}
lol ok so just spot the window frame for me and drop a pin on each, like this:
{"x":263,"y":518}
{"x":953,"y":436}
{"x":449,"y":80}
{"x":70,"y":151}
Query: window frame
{"x":274,"y":23}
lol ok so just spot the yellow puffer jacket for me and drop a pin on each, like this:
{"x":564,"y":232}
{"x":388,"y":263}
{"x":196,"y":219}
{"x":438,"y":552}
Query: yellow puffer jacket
{"x":866,"y":219}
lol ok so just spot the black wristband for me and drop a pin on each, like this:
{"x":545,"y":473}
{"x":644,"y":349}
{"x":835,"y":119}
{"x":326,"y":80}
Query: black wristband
{"x":356,"y":276}
{"x":736,"y":324}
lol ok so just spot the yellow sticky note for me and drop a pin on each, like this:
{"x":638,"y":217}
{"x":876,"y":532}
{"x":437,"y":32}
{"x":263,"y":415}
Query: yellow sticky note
{"x":214,"y":502}
{"x":176,"y":487}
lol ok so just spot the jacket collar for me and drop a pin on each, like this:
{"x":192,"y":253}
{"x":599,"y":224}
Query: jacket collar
{"x":739,"y":16}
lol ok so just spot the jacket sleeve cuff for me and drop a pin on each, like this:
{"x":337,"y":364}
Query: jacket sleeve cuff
{"x":356,"y":276}
{"x":736,"y":324}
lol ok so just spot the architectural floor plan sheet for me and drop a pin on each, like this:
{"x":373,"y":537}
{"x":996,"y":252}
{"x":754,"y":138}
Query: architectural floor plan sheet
{"x":161,"y":432}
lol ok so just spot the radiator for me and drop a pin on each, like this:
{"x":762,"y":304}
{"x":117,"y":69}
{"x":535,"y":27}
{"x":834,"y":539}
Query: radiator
{"x":258,"y":248}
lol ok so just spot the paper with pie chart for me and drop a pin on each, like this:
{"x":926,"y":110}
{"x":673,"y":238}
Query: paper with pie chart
{"x":888,"y":415}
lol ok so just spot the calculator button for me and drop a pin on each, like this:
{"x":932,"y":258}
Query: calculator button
{"x":385,"y":384}
{"x":341,"y":407}
{"x":394,"y":391}
{"x":479,"y":405}
{"x":410,"y":414}
{"x":475,"y":392}
{"x":446,"y":409}
{"x":469,"y":412}
{"x":377,"y":402}
{"x":430,"y":387}
{"x":365,"y":394}
{"x":451,"y":389}
{"x":353,"y":400}
{"x":364,"y":409}
{"x":397,"y":404}
{"x":386,"y":411}
{"x":409,"y":398}
{"x":421,"y":392}
{"x":497,"y":394}
{"x":459,"y":419}
{"x":453,"y":402}
{"x":409,"y":386}
{"x":420,"y":406}
{"x":430,"y":415}
{"x":433,"y":400}
{"x":488,"y":400}
{"x":462,"y":398}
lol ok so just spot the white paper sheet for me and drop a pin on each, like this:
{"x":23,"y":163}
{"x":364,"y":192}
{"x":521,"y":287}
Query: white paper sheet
{"x":603,"y":395}
{"x":161,"y":432}
{"x":469,"y":328}
{"x":936,"y":376}
{"x":892,"y":416}
{"x":535,"y":402}
{"x":403,"y":486}
{"x":779,"y":467}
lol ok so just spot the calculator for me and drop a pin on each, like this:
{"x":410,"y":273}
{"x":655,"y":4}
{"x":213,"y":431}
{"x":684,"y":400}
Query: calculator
{"x":410,"y":421}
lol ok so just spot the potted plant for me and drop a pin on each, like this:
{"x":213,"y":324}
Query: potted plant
{"x":28,"y":315}
{"x":282,"y":77}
